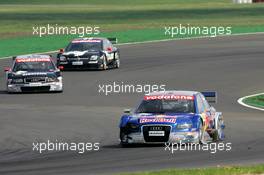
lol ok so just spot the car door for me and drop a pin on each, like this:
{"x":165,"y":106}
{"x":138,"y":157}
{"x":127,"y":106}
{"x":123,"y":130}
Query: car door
{"x":109,"y":50}
{"x":209,"y":110}
{"x":202,"y":111}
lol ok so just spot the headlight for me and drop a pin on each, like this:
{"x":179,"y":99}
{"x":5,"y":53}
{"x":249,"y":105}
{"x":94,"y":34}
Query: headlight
{"x":184,"y":126}
{"x":62,"y":58}
{"x":9,"y":81}
{"x":132,"y":125}
{"x":17,"y":81}
{"x":52,"y":79}
{"x":94,"y":57}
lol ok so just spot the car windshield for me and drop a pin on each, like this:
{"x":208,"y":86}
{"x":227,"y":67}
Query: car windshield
{"x":166,"y":106}
{"x":34,"y":66}
{"x":83,"y":46}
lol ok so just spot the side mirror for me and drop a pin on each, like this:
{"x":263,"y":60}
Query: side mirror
{"x":7,"y":69}
{"x":61,"y":50}
{"x":61,"y":67}
{"x":127,"y":111}
{"x":210,"y":111}
{"x":109,"y":49}
{"x":114,"y":49}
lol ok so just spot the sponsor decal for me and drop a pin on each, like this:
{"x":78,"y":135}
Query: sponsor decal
{"x":156,"y":133}
{"x":34,"y":73}
{"x":168,"y":97}
{"x":19,"y":60}
{"x":157,"y":120}
{"x":86,"y":41}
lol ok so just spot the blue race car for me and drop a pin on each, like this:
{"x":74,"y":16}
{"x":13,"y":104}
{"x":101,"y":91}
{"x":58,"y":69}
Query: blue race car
{"x":173,"y":117}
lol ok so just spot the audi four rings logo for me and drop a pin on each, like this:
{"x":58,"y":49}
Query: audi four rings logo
{"x":156,"y":128}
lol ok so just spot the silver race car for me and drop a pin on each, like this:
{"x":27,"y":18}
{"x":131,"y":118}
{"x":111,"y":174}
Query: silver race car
{"x":33,"y":73}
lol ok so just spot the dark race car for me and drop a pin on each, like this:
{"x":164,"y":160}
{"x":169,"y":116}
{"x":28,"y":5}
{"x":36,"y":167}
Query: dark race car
{"x":33,"y":73}
{"x":89,"y":53}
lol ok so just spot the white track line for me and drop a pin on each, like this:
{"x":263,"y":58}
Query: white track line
{"x":240,"y":101}
{"x":189,"y":38}
{"x":164,"y":40}
{"x":33,"y":53}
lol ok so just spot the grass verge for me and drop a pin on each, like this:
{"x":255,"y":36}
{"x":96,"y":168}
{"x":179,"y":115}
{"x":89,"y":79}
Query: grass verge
{"x":228,"y":170}
{"x":129,"y":21}
{"x":24,"y":45}
{"x":256,"y":101}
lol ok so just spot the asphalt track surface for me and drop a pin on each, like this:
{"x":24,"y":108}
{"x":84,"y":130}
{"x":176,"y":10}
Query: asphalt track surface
{"x":233,"y":66}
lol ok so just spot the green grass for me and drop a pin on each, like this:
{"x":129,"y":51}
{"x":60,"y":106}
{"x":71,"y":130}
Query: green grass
{"x":256,"y":101}
{"x":17,"y":20}
{"x":234,"y":170}
{"x":24,"y":45}
{"x":130,"y":21}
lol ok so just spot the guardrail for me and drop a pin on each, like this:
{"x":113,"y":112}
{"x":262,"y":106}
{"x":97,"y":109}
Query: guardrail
{"x":247,"y":1}
{"x":242,"y":1}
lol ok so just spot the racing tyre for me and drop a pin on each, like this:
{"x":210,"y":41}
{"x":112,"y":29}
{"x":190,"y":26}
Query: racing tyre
{"x":201,"y":134}
{"x":8,"y":92}
{"x":121,"y":136}
{"x":218,"y":134}
{"x":104,"y":64}
{"x":117,"y":62}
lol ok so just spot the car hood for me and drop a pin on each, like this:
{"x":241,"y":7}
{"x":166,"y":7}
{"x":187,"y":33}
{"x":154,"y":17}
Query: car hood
{"x":23,"y":74}
{"x":81,"y":53}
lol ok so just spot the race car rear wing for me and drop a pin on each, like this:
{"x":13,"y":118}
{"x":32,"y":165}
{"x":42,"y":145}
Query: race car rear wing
{"x":113,"y":40}
{"x":211,"y":97}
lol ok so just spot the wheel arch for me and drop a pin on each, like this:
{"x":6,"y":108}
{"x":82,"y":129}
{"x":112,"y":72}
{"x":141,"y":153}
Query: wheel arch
{"x":123,"y":121}
{"x":218,"y":115}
